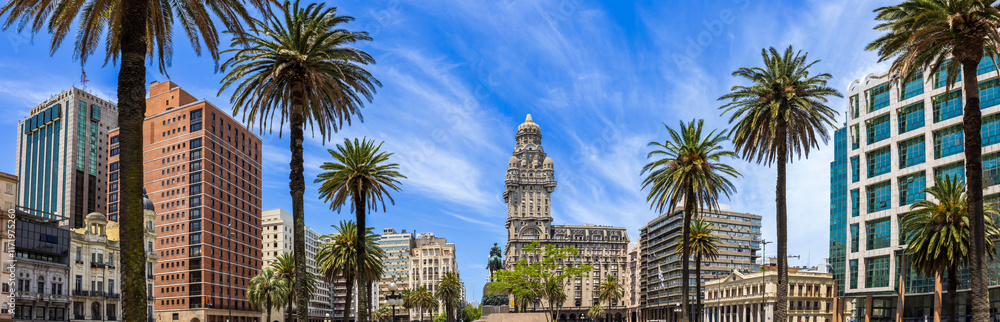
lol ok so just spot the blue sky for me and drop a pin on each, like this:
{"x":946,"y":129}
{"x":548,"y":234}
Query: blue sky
{"x":600,"y":78}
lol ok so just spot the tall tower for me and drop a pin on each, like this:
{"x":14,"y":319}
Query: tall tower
{"x":61,"y":158}
{"x":530,"y":182}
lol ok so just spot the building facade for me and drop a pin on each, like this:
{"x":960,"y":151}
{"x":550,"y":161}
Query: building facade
{"x":203,"y":175}
{"x":61,"y":158}
{"x":278,"y":236}
{"x":632,"y":277}
{"x":430,"y":259}
{"x":397,"y":247}
{"x":529,"y":184}
{"x":660,"y":263}
{"x":737,"y":297}
{"x":898,"y":137}
{"x":41,"y":246}
{"x":8,"y":198}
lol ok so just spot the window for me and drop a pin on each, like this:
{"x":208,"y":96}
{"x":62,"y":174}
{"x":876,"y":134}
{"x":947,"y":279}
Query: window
{"x":855,"y":202}
{"x":855,"y":106}
{"x":878,"y":128}
{"x":989,"y":93}
{"x":114,"y":151}
{"x":990,"y":130}
{"x":196,"y":143}
{"x":911,"y":117}
{"x":855,"y":137}
{"x":855,"y":169}
{"x":878,"y":97}
{"x":986,"y":65}
{"x":948,"y":141}
{"x":947,"y":106}
{"x":911,"y":188}
{"x":877,"y":271}
{"x":854,"y":238}
{"x":952,"y":170}
{"x":912,"y":86}
{"x":879,"y":161}
{"x":879,"y":233}
{"x":879,"y":196}
{"x":912,"y":152}
{"x":941,"y":77}
{"x":991,"y":169}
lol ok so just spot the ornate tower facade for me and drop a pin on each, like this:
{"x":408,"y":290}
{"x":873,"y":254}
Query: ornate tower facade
{"x":530,"y":182}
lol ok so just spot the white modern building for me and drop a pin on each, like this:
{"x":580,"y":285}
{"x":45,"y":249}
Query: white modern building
{"x":278,"y":233}
{"x":898,"y":137}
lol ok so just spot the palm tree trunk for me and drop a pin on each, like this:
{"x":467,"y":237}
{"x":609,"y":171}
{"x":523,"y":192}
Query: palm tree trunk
{"x":350,"y":295}
{"x":131,"y":114}
{"x":971,"y":124}
{"x":359,"y":244}
{"x":297,"y":187}
{"x":268,"y":315}
{"x":781,"y":214}
{"x":937,"y":296}
{"x":689,"y":209}
{"x":288,"y":312}
{"x":448,"y":315}
{"x":952,"y":293}
{"x":697,"y":287}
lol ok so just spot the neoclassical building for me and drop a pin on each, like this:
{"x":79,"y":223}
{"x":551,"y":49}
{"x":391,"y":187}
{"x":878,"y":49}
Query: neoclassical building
{"x":530,"y":181}
{"x":95,"y":272}
{"x":737,"y":297}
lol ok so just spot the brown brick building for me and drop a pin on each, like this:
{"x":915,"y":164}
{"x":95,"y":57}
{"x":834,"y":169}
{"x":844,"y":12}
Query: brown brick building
{"x":203,"y":175}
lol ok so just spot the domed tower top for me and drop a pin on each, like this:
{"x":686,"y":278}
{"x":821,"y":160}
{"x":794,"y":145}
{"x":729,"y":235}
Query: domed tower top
{"x":528,"y":128}
{"x":146,"y":203}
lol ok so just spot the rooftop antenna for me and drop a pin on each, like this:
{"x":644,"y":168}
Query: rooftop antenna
{"x":83,"y":78}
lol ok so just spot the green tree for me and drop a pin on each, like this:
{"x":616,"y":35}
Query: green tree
{"x":422,"y":299}
{"x":337,"y":257}
{"x":778,"y":117}
{"x":268,"y":291}
{"x":530,"y":281}
{"x":130,"y":30}
{"x":688,"y":168}
{"x":596,"y":312}
{"x":704,"y":245}
{"x":610,"y":291}
{"x":555,"y":292}
{"x":362,"y":174}
{"x":301,"y":65}
{"x":449,"y":290}
{"x":383,"y":314}
{"x":924,"y":35}
{"x":284,"y":267}
{"x":471,"y":313}
{"x":938,"y":233}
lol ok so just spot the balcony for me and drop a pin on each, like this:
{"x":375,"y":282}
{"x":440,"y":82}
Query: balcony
{"x":81,"y":293}
{"x":96,"y":265}
{"x":79,"y":261}
{"x":78,"y":317}
{"x":112,"y":295}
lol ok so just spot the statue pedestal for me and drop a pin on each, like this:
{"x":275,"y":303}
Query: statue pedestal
{"x":496,"y":304}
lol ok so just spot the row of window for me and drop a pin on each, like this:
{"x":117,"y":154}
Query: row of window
{"x":910,"y":186}
{"x":878,"y":97}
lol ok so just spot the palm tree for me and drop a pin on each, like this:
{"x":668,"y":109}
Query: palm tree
{"x":611,"y":291}
{"x":783,"y":111}
{"x":382,"y":314}
{"x":362,"y":174}
{"x":337,"y":257}
{"x":130,"y":28}
{"x":421,"y":298}
{"x":923,"y":35}
{"x":938,"y":236}
{"x":704,"y":245}
{"x":268,"y":291}
{"x":555,"y":293}
{"x":688,"y":168}
{"x":299,"y":64}
{"x":284,"y":267}
{"x":596,"y":312}
{"x":449,"y":290}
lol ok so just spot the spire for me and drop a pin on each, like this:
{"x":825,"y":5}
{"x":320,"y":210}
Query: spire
{"x":527,"y":119}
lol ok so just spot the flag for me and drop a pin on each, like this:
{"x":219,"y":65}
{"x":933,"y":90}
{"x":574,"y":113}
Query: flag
{"x":661,"y":275}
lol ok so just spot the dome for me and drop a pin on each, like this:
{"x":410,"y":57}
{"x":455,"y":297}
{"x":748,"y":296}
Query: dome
{"x":146,"y":203}
{"x":527,"y":125}
{"x":513,"y":160}
{"x":96,"y":216}
{"x":548,"y":162}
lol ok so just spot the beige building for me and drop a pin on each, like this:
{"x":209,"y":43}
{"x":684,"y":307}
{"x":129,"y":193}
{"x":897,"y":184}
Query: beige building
{"x":430,"y":258}
{"x":529,"y":182}
{"x":278,"y":233}
{"x":738,"y":298}
{"x":95,"y":270}
{"x":632,"y":277}
{"x":397,"y":247}
{"x":8,"y":198}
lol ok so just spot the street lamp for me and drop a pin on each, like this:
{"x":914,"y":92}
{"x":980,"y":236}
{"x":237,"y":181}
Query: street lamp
{"x":394,"y":299}
{"x":763,"y":275}
{"x":229,"y":268}
{"x":327,"y":319}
